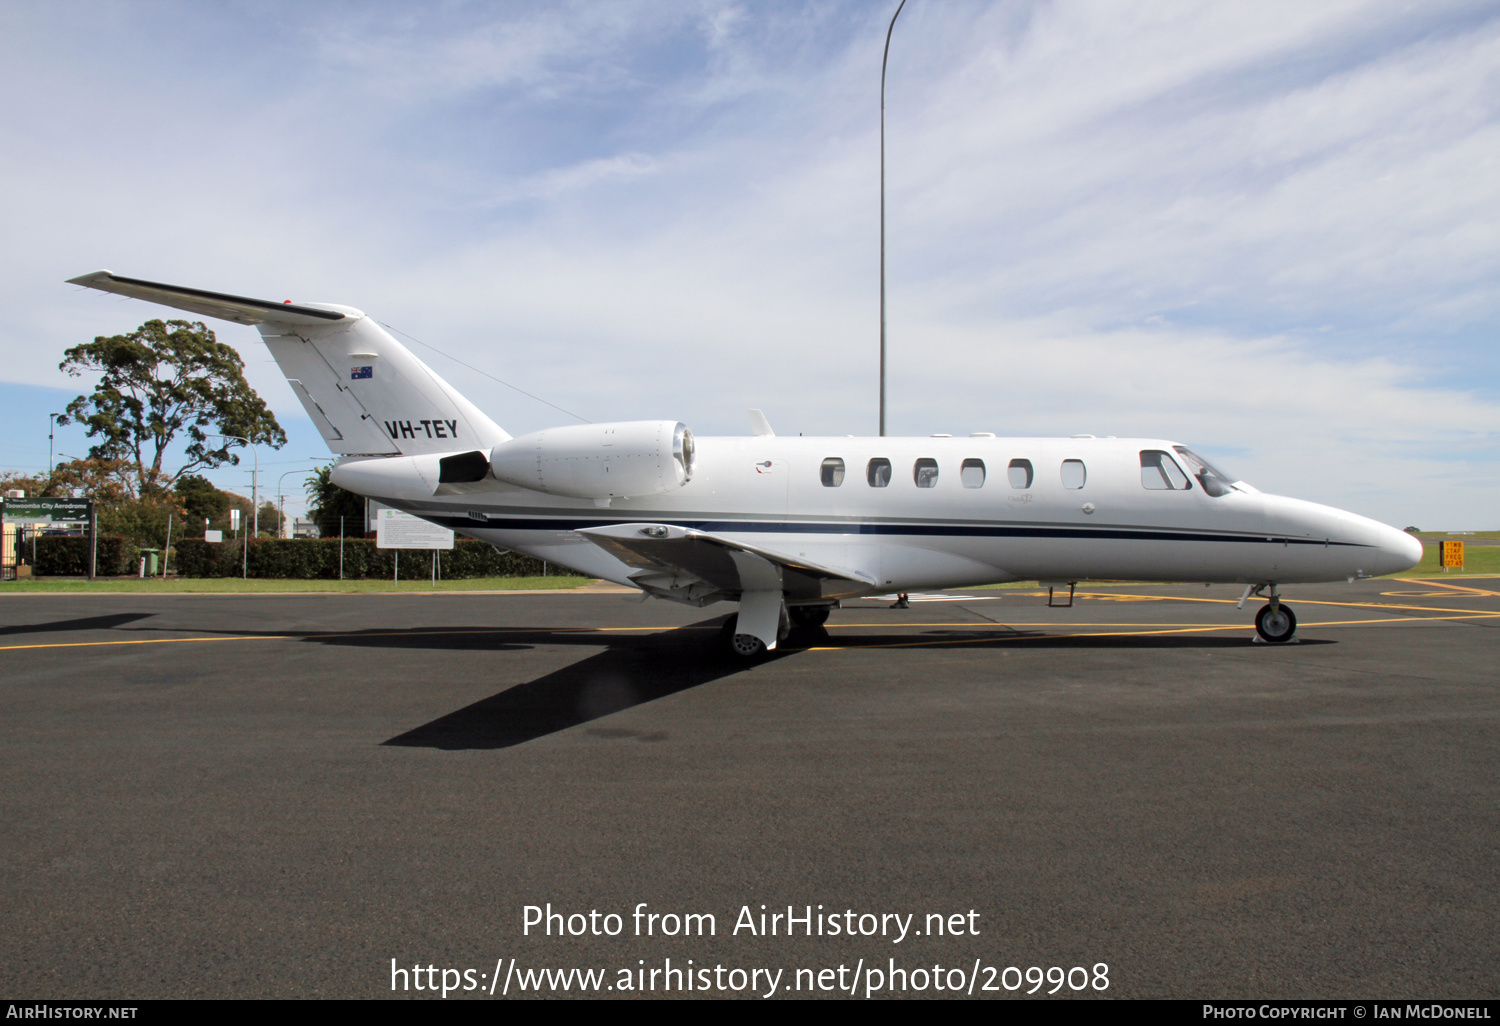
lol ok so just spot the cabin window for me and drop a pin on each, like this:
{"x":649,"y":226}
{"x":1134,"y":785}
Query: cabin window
{"x":925,"y":473}
{"x":971,"y":474}
{"x":833,"y":472}
{"x":878,"y":473}
{"x":1073,"y":474}
{"x":1019,"y":473}
{"x":1160,"y":473}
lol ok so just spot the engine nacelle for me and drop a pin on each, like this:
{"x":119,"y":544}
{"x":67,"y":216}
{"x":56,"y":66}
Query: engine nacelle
{"x":599,"y":461}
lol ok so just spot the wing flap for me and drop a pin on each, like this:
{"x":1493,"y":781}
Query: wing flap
{"x":666,"y":552}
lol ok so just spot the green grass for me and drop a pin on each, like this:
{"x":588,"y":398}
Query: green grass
{"x":235,"y":585}
{"x":1478,"y":559}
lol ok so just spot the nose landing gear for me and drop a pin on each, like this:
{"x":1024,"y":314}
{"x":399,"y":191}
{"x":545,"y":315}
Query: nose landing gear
{"x":1275,"y":623}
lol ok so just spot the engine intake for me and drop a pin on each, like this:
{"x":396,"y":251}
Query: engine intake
{"x":599,"y":461}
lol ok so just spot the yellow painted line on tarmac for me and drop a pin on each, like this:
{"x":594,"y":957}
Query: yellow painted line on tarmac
{"x":1202,"y":628}
{"x":145,"y":641}
{"x":1461,"y":588}
{"x":1309,"y":602}
{"x":321,"y":637}
{"x":977,"y":628}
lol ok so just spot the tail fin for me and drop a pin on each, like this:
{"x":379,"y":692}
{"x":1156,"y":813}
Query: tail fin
{"x":366,"y":392}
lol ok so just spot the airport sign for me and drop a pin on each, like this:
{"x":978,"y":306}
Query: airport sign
{"x":34,"y":512}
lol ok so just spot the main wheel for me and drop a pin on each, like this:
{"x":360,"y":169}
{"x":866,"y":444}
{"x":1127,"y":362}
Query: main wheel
{"x":810,"y":616}
{"x":1276,"y":624}
{"x":741,"y":646}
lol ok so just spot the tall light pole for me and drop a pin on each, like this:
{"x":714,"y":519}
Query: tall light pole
{"x":883,"y":61}
{"x":51,"y":426}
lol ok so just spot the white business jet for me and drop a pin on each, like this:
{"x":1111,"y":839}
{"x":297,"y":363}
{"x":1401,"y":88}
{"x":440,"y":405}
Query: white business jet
{"x":787,"y":527}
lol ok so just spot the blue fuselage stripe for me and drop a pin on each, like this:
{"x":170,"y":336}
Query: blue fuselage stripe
{"x":506,"y":523}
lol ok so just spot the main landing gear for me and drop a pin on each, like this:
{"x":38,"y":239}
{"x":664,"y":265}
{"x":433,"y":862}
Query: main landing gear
{"x":748,"y":647}
{"x":1275,"y":623}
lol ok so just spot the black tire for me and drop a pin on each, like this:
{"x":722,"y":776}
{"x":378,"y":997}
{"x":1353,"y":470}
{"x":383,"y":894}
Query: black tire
{"x":746,"y":647}
{"x":810,"y":616}
{"x":1276,"y":626}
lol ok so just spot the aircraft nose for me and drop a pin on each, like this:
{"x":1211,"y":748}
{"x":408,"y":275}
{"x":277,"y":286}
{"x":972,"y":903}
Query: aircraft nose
{"x":1398,"y":551}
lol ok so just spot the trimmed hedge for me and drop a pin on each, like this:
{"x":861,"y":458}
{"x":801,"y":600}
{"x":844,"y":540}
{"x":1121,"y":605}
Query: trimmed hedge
{"x":68,"y":556}
{"x":318,"y":559}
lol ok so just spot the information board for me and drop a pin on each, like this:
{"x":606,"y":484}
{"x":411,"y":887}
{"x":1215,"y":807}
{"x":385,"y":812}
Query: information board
{"x":47,"y":511}
{"x":1451,"y":555}
{"x":397,"y":530}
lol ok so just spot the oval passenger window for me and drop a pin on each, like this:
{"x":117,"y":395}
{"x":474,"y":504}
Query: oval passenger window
{"x":972,"y":473}
{"x":878,"y":472}
{"x":1073,"y":474}
{"x":833,"y":472}
{"x":925,"y":473}
{"x":1019,"y":473}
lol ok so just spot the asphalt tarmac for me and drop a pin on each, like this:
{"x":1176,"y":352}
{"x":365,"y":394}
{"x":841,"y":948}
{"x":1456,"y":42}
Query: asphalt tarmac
{"x":246,"y":796}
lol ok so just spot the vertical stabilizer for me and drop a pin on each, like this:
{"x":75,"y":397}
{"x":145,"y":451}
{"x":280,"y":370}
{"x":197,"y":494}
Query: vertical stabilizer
{"x":369,"y":395}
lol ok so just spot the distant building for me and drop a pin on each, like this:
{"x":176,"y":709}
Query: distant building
{"x":305,"y":529}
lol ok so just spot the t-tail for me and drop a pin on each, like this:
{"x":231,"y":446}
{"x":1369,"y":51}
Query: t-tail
{"x":366,"y":392}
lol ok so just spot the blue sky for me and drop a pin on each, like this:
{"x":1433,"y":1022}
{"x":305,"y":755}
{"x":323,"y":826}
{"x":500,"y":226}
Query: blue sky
{"x":1270,"y":230}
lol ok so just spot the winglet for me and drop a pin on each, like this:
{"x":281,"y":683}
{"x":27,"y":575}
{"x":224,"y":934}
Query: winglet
{"x":760,"y":426}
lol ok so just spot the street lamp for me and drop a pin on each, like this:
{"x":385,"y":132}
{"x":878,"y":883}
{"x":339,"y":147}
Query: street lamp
{"x":254,"y":494}
{"x":883,"y":61}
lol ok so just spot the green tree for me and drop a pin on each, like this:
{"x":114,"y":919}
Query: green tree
{"x":328,"y":504}
{"x":34,"y":486}
{"x":203,"y":505}
{"x":162,"y":380}
{"x":270,"y":520}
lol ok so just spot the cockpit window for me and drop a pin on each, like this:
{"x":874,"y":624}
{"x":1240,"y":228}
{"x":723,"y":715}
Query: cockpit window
{"x":1214,"y":481}
{"x":1160,"y":473}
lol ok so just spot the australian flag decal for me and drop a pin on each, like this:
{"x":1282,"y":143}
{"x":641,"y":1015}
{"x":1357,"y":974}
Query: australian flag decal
{"x":357,"y":373}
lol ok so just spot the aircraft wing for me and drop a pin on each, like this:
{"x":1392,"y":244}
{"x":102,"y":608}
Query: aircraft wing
{"x":701,"y":567}
{"x":210,"y":304}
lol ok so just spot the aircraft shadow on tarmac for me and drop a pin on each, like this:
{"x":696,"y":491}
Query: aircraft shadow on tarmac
{"x":639,"y":667}
{"x":86,"y":623}
{"x":634,"y":669}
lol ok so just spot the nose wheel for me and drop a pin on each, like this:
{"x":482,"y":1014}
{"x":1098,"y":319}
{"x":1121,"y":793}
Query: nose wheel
{"x":1275,"y":623}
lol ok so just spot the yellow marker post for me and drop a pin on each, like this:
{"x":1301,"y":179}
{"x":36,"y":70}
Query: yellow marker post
{"x":1451,"y":554}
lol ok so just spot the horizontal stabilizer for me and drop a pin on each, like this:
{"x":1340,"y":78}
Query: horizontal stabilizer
{"x":210,"y":304}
